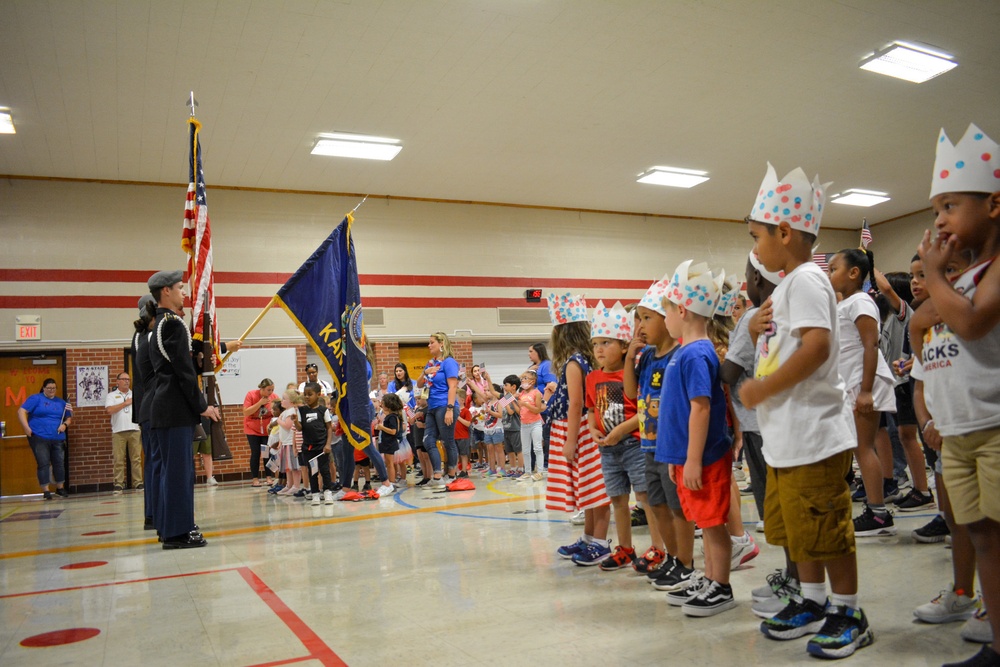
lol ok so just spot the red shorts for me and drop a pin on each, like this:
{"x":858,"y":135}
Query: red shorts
{"x":710,"y":506}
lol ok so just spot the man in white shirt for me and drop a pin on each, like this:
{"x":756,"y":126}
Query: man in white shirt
{"x":124,"y":434}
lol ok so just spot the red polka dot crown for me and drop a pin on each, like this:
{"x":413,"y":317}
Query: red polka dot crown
{"x":696,"y":288}
{"x":972,"y":165}
{"x":653,"y":298}
{"x":611,"y":323}
{"x":793,"y":199}
{"x":566,"y":308}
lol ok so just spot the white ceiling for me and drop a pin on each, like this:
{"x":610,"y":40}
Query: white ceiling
{"x":540,"y":102}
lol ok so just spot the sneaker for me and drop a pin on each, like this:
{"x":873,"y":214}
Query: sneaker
{"x":638,"y":517}
{"x":759,"y":528}
{"x":537,"y":477}
{"x":934,"y":531}
{"x":140,"y":486}
{"x":47,"y":494}
{"x":592,"y":554}
{"x":425,"y":481}
{"x":798,"y":618}
{"x":276,"y":488}
{"x":317,"y":499}
{"x":859,"y":495}
{"x":462,"y":474}
{"x":739,"y":475}
{"x":524,"y":478}
{"x":779,"y":584}
{"x":649,"y":561}
{"x":869,"y":524}
{"x":570,"y":550}
{"x":367,"y":486}
{"x":711,"y":600}
{"x":385,"y":490}
{"x":890,"y":491}
{"x":747,"y":490}
{"x":328,"y":497}
{"x":697,"y":531}
{"x":947,"y":607}
{"x":339,"y":495}
{"x":619,"y":558}
{"x":302,"y":493}
{"x":119,"y":489}
{"x":696,"y":582}
{"x":844,"y":631}
{"x":743,"y":552}
{"x":769,"y":607}
{"x":678,"y":578}
{"x":62,"y":492}
{"x":661,"y":570}
{"x":914,"y":501}
{"x":211,"y":481}
{"x":578,"y":519}
{"x":986,"y":657}
{"x":978,"y":629}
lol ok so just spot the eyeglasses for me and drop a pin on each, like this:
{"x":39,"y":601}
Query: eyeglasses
{"x":312,"y":367}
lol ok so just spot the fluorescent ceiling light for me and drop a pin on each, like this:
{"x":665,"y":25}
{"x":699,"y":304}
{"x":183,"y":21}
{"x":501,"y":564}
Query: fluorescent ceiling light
{"x":910,"y":62}
{"x":673,"y":176}
{"x":338,"y":144}
{"x":6,"y":122}
{"x":856,"y":197}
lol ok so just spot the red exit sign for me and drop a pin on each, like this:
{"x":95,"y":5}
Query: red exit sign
{"x":28,"y":327}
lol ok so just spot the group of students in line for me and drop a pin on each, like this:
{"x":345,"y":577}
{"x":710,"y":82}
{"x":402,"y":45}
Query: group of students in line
{"x":641,"y":406}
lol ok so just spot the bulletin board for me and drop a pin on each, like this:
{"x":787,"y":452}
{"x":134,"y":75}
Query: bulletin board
{"x":244,"y":370}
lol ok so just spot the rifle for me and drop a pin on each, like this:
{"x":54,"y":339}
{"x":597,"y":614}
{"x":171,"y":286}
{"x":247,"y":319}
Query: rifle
{"x":220,"y":448}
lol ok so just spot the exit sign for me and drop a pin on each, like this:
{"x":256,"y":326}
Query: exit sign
{"x":28,"y":327}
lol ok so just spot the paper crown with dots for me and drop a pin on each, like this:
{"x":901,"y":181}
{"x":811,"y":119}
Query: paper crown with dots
{"x":614,"y":322}
{"x":971,"y":165}
{"x":773,"y":277}
{"x":727,"y":299}
{"x":566,"y":308}
{"x":696,"y":288}
{"x":652,"y":299}
{"x":793,"y":199}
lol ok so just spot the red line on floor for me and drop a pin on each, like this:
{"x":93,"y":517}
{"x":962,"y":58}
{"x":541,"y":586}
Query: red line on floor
{"x":316,"y":646}
{"x":114,"y":583}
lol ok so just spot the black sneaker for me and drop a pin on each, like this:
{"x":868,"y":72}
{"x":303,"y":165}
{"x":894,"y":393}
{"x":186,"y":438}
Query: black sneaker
{"x":890,"y":491}
{"x":367,"y":486}
{"x":463,"y":475}
{"x":935,"y":531}
{"x":696,"y":584}
{"x":870,"y":524}
{"x":915,"y":501}
{"x":62,"y":492}
{"x":639,"y":517}
{"x":654,"y":573}
{"x":425,"y":481}
{"x":47,"y":494}
{"x":859,"y":495}
{"x":677,"y":578}
{"x":799,"y":617}
{"x":844,"y":631}
{"x":986,"y":657}
{"x":711,"y":600}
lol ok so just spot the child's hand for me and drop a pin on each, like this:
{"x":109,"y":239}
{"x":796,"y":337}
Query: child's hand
{"x":634,"y":347}
{"x":762,"y":318}
{"x":327,"y":449}
{"x":613,"y":437}
{"x":752,"y":394}
{"x":692,"y":475}
{"x":672,"y":472}
{"x":865,"y":403}
{"x":903,"y":366}
{"x":569,"y":453}
{"x":936,"y":252}
{"x":931,"y":436}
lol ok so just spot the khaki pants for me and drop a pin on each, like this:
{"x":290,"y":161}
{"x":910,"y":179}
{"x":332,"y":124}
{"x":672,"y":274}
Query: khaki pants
{"x":127,"y":443}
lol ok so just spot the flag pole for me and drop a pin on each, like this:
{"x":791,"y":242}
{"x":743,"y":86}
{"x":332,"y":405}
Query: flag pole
{"x":250,"y":328}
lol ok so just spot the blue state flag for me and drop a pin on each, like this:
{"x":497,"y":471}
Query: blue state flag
{"x":324,"y":301}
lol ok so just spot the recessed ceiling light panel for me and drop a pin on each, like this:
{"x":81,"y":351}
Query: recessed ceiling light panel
{"x":674,"y":177}
{"x":910,"y":62}
{"x":339,"y":144}
{"x":857,"y":197}
{"x":6,"y":122}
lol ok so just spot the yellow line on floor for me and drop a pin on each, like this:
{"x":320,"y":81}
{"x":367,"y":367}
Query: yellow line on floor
{"x":491,"y":487}
{"x":260,"y":529}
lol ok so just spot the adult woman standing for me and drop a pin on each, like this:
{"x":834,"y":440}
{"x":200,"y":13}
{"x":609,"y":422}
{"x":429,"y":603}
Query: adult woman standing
{"x":402,"y":381}
{"x":480,"y":384}
{"x":256,"y":419}
{"x":546,"y":383}
{"x":44,"y":418}
{"x":441,"y":376}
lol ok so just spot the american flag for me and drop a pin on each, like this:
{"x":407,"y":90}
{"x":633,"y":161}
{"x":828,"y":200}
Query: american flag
{"x":866,"y":235}
{"x":196,"y":241}
{"x":504,"y":402}
{"x":822,"y":260}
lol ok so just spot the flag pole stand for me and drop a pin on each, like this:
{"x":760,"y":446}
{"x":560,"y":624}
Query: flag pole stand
{"x":260,"y":316}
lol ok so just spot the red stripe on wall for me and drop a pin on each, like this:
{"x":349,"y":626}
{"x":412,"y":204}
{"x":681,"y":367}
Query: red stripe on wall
{"x":258,"y":302}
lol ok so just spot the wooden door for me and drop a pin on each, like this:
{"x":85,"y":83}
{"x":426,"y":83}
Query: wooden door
{"x":20,"y":376}
{"x":415,"y":357}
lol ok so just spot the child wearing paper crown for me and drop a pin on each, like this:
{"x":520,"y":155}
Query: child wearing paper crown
{"x":959,"y":343}
{"x":575,"y":480}
{"x":692,"y":437}
{"x":805,"y":422}
{"x":613,"y":424}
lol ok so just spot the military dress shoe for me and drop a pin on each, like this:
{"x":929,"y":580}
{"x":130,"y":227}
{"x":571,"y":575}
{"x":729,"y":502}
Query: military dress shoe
{"x":186,"y":542}
{"x":148,"y":524}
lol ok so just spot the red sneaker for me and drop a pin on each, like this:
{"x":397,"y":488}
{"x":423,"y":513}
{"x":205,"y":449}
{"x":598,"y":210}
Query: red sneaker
{"x":619,"y":558}
{"x":649,"y":561}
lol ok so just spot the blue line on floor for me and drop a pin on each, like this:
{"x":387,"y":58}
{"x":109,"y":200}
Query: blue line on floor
{"x":477,"y":516}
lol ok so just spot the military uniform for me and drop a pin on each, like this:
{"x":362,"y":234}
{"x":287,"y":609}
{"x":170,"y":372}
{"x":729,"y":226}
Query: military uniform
{"x":142,"y":400}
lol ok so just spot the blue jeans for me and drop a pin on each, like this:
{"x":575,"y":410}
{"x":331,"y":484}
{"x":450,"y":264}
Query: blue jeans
{"x":435,"y":430}
{"x":343,"y":454}
{"x":49,"y":453}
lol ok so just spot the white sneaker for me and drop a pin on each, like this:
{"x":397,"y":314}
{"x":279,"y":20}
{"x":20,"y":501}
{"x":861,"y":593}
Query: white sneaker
{"x":328,"y":497}
{"x":438,"y":483}
{"x":779,"y":584}
{"x":578,"y":519}
{"x":947,"y":607}
{"x":317,"y":499}
{"x":386,"y":490}
{"x":339,"y":495}
{"x":759,"y":528}
{"x":211,"y":481}
{"x":977,"y":629}
{"x":743,"y":552}
{"x":739,"y":475}
{"x":526,"y":477}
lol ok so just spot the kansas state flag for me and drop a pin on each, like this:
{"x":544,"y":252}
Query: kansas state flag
{"x":324,"y":301}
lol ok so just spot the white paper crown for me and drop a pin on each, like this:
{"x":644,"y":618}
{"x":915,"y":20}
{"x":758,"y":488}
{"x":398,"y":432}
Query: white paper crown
{"x":652,"y":299}
{"x":773,"y":277}
{"x":972,"y":165}
{"x":566,"y":308}
{"x":727,"y":299}
{"x":793,"y":199}
{"x":696,"y":288}
{"x":611,"y":323}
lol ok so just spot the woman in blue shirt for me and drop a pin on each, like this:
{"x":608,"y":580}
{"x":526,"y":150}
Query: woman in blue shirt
{"x":44,"y":418}
{"x":441,"y":377}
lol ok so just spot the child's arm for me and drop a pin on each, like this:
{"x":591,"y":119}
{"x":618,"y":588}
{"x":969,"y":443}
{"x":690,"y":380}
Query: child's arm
{"x":886,"y":290}
{"x":595,"y":431}
{"x":701,"y":410}
{"x":925,"y":423}
{"x":536,"y":406}
{"x":924,"y":317}
{"x":463,"y":421}
{"x":622,"y":430}
{"x":630,"y":383}
{"x":328,"y":447}
{"x":574,"y":387}
{"x":385,"y":429}
{"x":287,"y":422}
{"x":970,"y":319}
{"x":868,"y":330}
{"x":813,"y":353}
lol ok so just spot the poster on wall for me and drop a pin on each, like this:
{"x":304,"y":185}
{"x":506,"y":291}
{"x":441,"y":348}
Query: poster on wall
{"x":91,"y":386}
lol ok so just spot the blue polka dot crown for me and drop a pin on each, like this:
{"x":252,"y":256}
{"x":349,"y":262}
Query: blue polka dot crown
{"x":972,"y":165}
{"x":696,"y":288}
{"x":793,"y":200}
{"x":566,"y":308}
